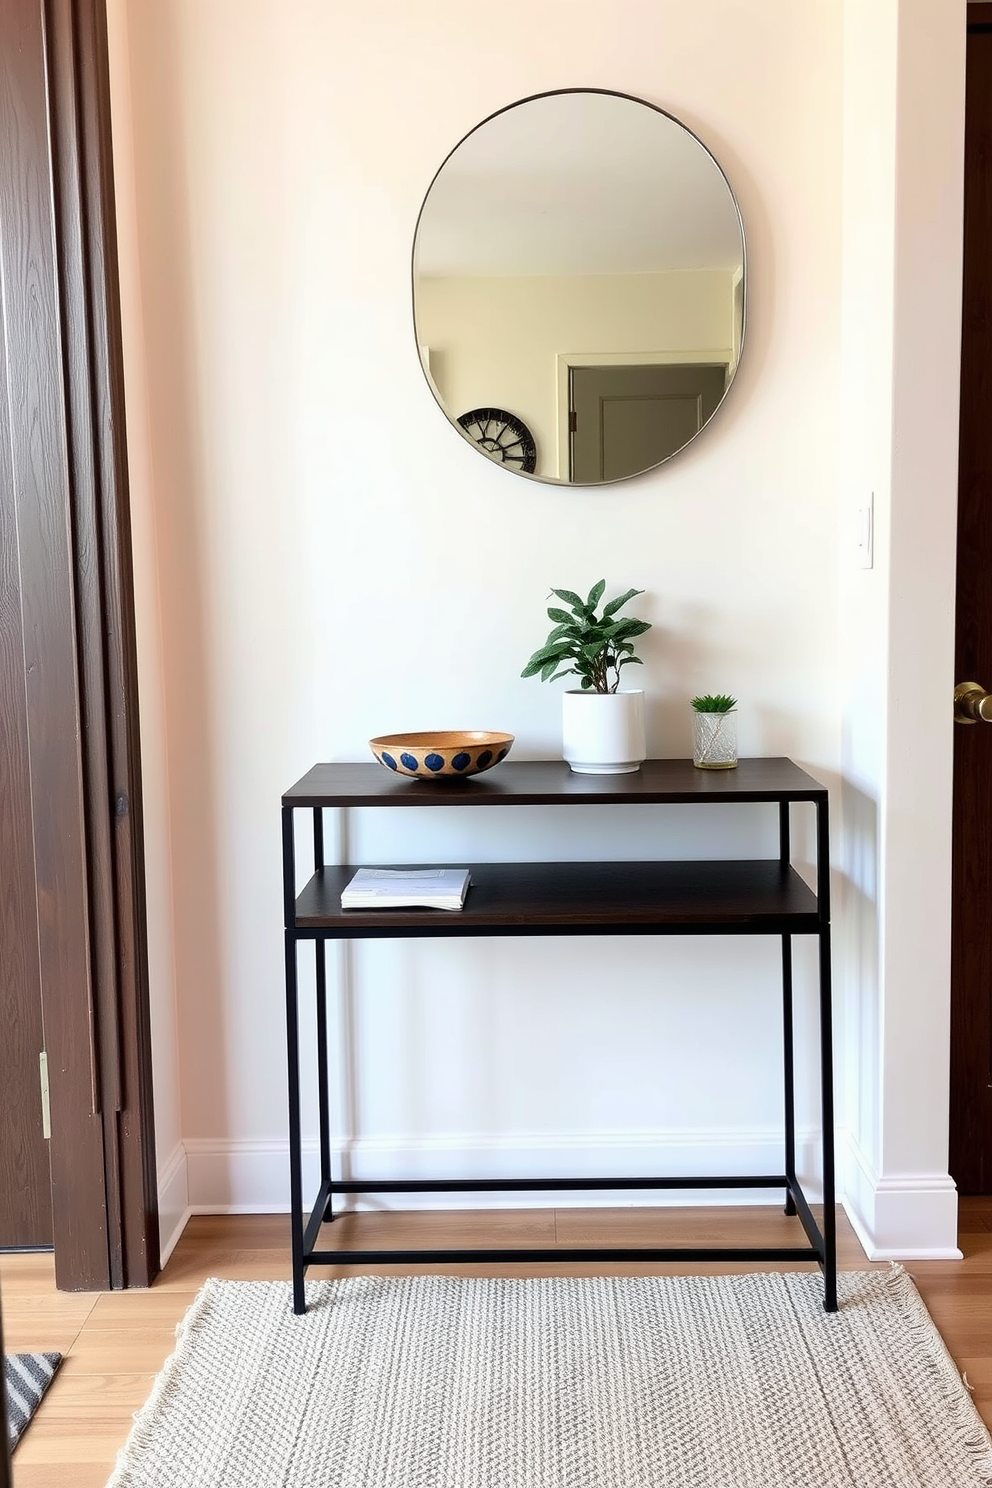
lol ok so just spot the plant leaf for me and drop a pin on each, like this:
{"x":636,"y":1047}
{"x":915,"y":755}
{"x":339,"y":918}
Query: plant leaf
{"x":547,"y":653}
{"x":714,"y":702}
{"x":595,"y":594}
{"x":629,"y":628}
{"x":572,"y":599}
{"x":562,"y":616}
{"x":620,"y":601}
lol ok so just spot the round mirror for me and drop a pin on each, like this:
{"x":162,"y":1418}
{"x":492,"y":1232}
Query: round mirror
{"x":578,"y":286}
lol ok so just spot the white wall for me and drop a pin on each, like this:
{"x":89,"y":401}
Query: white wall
{"x":901,"y":350}
{"x":494,"y":341}
{"x":324,"y":560}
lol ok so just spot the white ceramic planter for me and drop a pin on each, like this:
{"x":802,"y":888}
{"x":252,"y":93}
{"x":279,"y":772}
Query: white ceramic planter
{"x":602,"y":733}
{"x":714,"y":740}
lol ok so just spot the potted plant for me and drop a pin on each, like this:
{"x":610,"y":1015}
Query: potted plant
{"x":714,"y":731}
{"x":602,"y":724}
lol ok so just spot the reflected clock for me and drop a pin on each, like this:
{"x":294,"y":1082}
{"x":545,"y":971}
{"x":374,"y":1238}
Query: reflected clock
{"x":502,"y":436}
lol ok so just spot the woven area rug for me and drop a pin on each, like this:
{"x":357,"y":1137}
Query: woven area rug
{"x":26,"y":1377}
{"x":700,"y":1382}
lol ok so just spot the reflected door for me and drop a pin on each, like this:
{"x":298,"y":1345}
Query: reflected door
{"x":627,"y":419}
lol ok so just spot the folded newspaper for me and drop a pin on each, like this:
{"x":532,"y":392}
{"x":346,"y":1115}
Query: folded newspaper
{"x":406,"y":888}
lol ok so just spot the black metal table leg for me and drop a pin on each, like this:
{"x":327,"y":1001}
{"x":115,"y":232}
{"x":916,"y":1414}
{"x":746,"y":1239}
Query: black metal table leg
{"x":784,"y":844}
{"x":320,"y":950}
{"x":827,"y":1099}
{"x":788,"y":1071}
{"x":295,"y":1143}
{"x":826,"y":1058}
{"x":293,"y":1065}
{"x":788,"y":1048}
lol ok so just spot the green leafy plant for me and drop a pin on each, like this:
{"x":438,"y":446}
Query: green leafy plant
{"x":583,"y":644}
{"x":713,"y":702}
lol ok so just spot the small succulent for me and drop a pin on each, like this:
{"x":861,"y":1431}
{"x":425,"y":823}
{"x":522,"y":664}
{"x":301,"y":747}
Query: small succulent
{"x":591,"y":647}
{"x":714,"y":702}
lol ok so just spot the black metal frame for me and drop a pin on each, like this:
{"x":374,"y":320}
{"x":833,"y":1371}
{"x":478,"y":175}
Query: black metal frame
{"x":822,"y":1245}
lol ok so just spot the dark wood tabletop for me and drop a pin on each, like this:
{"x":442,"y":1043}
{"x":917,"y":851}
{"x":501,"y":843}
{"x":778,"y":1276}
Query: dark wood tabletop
{"x":552,"y":782}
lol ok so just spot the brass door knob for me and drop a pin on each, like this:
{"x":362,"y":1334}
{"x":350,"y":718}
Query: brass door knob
{"x":972,"y":704}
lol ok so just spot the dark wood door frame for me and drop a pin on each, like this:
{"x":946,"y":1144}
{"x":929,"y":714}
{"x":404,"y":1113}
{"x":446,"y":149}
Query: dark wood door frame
{"x":67,"y":461}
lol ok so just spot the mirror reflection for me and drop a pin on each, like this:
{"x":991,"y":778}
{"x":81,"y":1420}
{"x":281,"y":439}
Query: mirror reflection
{"x":579,"y":286}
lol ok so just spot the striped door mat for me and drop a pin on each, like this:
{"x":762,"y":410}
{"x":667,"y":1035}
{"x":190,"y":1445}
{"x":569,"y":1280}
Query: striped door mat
{"x":26,"y":1377}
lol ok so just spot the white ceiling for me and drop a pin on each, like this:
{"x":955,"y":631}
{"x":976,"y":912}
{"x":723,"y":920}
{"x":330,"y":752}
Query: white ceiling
{"x":578,"y":183}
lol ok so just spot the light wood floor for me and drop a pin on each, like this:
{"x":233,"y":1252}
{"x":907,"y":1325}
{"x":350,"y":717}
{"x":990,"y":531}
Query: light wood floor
{"x":115,"y":1342}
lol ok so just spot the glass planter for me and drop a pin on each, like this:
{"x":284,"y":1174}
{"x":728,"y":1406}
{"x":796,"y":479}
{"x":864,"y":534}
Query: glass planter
{"x":714,"y":740}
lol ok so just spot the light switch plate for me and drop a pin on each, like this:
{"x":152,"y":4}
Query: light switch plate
{"x":864,"y":537}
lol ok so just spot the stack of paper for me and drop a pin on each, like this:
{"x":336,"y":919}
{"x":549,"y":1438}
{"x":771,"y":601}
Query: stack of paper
{"x":406,"y":888}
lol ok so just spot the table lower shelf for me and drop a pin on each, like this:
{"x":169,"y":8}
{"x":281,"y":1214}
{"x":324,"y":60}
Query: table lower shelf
{"x":308,"y":1253}
{"x":754,"y":896}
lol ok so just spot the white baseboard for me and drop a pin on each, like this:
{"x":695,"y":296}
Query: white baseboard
{"x":235,"y":1177}
{"x":909,"y":1217}
{"x":173,"y":1201}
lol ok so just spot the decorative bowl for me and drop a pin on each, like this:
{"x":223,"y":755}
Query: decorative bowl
{"x":441,"y":756}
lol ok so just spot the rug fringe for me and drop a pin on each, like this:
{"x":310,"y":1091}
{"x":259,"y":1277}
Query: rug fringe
{"x":143,"y":1433}
{"x":972,"y":1430}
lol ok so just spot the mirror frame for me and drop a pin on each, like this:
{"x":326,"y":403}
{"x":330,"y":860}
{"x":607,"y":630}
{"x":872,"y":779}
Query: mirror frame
{"x":547,"y":480}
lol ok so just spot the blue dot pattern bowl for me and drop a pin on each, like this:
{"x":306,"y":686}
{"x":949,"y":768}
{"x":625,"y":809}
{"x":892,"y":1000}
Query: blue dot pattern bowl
{"x":443,"y":756}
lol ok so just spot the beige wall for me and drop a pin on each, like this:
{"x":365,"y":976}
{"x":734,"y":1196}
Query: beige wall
{"x":494,"y":342}
{"x":321,"y":559}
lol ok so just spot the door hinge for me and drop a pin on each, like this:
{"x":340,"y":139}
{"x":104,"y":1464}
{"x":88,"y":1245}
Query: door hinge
{"x":571,"y":421}
{"x":46,"y":1107}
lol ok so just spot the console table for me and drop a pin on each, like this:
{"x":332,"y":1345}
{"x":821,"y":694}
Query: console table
{"x":754,"y":897}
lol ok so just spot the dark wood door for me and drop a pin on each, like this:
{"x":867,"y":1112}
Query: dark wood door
{"x":628,"y":419}
{"x":72,"y":954}
{"x":44,"y":876}
{"x":25,"y":1175}
{"x":971,"y":960}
